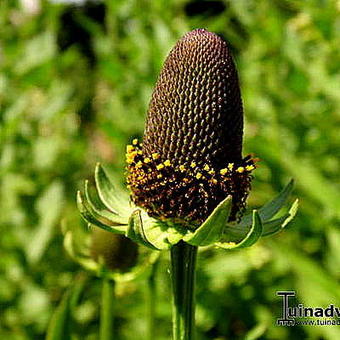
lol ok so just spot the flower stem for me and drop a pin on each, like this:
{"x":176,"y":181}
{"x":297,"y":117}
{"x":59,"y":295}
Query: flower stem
{"x":106,"y":313}
{"x":151,"y":302}
{"x":183,"y":262}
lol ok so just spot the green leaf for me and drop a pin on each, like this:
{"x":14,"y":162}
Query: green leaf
{"x":60,"y":325}
{"x":111,"y":197}
{"x":96,"y":205}
{"x":92,"y":217}
{"x":49,"y":207}
{"x":271,"y":208}
{"x":212,"y":228}
{"x":253,"y":235}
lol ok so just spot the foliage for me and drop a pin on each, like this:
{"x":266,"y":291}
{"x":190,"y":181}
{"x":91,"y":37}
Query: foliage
{"x":74,"y":87}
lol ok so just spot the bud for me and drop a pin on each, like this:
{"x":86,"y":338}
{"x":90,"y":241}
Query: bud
{"x":191,"y":156}
{"x":117,"y":252}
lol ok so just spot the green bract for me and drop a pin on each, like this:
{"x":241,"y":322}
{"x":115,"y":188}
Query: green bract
{"x":107,"y":207}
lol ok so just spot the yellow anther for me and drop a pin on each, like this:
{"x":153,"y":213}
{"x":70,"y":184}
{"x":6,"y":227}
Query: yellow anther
{"x":131,"y":156}
{"x":206,"y":167}
{"x":211,"y":172}
{"x":155,"y":155}
{"x":193,"y":164}
{"x":167,"y":163}
{"x":198,"y":175}
{"x":135,"y":141}
{"x":139,"y":152}
{"x":214,"y":180}
{"x":159,"y":176}
{"x":240,"y":169}
{"x":250,"y":167}
{"x":147,"y":160}
{"x":223,"y":171}
{"x":129,"y":148}
{"x":185,"y":179}
{"x":231,"y":166}
{"x":160,"y":166}
{"x":182,"y":168}
{"x":139,"y":164}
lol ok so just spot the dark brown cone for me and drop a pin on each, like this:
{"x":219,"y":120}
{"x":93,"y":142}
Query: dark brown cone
{"x":191,"y":157}
{"x":117,"y":252}
{"x":195,"y":113}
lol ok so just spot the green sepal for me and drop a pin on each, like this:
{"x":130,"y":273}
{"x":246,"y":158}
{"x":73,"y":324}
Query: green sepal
{"x":153,"y":233}
{"x":212,"y":228}
{"x":135,"y":230}
{"x":271,"y":208}
{"x":94,"y":202}
{"x":92,"y":217}
{"x":252,"y":237}
{"x":111,"y":197}
{"x":274,"y":226}
{"x":269,"y":227}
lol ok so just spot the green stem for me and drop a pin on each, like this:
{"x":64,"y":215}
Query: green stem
{"x":183,"y":263}
{"x":106,"y":331}
{"x":151,"y":302}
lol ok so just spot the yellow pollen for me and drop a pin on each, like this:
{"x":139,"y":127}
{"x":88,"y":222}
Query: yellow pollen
{"x":206,"y":167}
{"x":131,"y":156}
{"x":250,"y":167}
{"x":159,"y":176}
{"x":198,"y":175}
{"x":223,"y":171}
{"x":193,"y":164}
{"x":231,"y":166}
{"x":155,"y":155}
{"x":135,"y":141}
{"x":214,"y":180}
{"x":182,"y":168}
{"x":211,"y":172}
{"x":160,"y":166}
{"x":167,"y":163}
{"x":240,"y":169}
{"x":139,"y":164}
{"x":139,"y":152}
{"x":129,"y":148}
{"x":147,"y":160}
{"x":185,"y":179}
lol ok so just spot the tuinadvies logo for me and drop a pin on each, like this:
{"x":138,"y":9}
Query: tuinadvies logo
{"x":294,"y":315}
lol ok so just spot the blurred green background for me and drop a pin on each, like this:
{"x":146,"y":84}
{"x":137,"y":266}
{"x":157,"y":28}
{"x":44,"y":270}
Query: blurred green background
{"x":74,"y":88}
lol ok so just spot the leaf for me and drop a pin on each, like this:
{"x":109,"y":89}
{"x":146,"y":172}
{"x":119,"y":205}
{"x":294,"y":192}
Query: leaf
{"x":92,"y":217}
{"x":271,"y":208}
{"x":253,"y":235}
{"x":60,"y":324}
{"x":96,"y":205}
{"x":109,"y":195}
{"x":212,"y":228}
{"x":48,"y":207}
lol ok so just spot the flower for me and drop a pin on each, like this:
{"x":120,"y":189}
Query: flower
{"x":194,"y":124}
{"x":117,"y":252}
{"x":188,"y":180}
